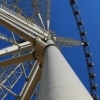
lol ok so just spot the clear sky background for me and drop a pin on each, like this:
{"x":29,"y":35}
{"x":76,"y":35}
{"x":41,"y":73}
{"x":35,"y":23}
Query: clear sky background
{"x":62,"y":22}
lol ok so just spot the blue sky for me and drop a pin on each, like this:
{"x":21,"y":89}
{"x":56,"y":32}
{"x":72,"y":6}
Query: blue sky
{"x":62,"y":22}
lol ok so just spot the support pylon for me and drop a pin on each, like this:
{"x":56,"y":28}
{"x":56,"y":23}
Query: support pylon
{"x":58,"y":80}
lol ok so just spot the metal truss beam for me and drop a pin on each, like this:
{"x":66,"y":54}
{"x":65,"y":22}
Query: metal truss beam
{"x":16,"y":48}
{"x":21,"y":32}
{"x":8,"y":90}
{"x":8,"y":82}
{"x":16,"y":60}
{"x":11,"y":73}
{"x":63,"y":41}
{"x":33,"y":80}
{"x":23,"y":25}
{"x":17,"y":30}
{"x":20,"y":20}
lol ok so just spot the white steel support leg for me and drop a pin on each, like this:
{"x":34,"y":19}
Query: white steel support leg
{"x":59,"y":81}
{"x":32,"y":82}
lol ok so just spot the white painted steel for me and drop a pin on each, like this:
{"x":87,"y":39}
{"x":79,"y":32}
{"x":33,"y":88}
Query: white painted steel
{"x":42,"y":43}
{"x":59,"y":81}
{"x":4,"y":37}
{"x":24,"y":71}
{"x":20,"y":31}
{"x":15,"y":48}
{"x":48,"y":24}
{"x":24,"y":87}
{"x":8,"y":90}
{"x":14,"y":81}
{"x":13,"y":15}
{"x":10,"y":74}
{"x":17,"y":60}
{"x":17,"y":30}
{"x":22,"y":91}
{"x":33,"y":80}
{"x":41,"y":20}
{"x":24,"y":26}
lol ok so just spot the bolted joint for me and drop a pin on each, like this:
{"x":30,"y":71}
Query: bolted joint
{"x":41,"y":42}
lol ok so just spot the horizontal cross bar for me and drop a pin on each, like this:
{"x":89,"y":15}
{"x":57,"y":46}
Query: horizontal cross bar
{"x":16,"y":60}
{"x":15,"y":48}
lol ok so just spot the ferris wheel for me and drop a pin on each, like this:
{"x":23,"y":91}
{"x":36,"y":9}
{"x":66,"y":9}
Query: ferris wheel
{"x":29,"y":28}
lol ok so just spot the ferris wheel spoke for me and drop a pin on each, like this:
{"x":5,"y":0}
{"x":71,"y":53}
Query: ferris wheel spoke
{"x":42,"y":8}
{"x":5,"y":38}
{"x":38,"y":12}
{"x":48,"y":14}
{"x":4,"y":2}
{"x":14,"y":41}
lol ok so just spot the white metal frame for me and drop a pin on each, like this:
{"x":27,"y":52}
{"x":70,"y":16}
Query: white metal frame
{"x":53,"y":87}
